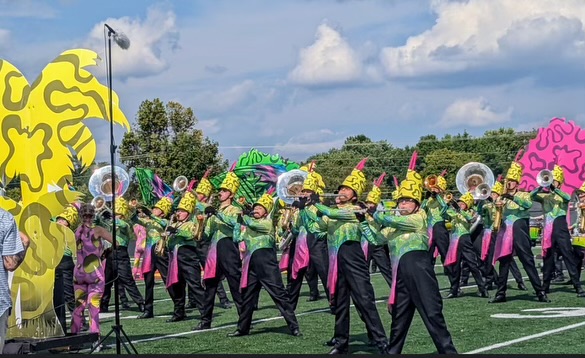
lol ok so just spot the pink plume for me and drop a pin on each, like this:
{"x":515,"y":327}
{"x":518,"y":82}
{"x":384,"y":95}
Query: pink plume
{"x":396,"y":182}
{"x":271,"y":191}
{"x":361,"y":164}
{"x":233,"y":167}
{"x":207,"y":172}
{"x":380,"y":180}
{"x":443,"y":173}
{"x":312,"y":166}
{"x":499,"y":178}
{"x":413,"y":159}
{"x":192,"y":184}
{"x":520,"y":152}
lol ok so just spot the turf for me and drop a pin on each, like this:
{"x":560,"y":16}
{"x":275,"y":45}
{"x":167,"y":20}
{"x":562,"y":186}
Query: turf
{"x":468,"y":318}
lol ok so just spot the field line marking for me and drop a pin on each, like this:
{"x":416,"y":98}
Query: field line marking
{"x":526,"y":338}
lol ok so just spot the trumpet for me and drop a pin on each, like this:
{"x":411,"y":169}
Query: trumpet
{"x":544,"y":178}
{"x":161,"y":245}
{"x":448,"y":198}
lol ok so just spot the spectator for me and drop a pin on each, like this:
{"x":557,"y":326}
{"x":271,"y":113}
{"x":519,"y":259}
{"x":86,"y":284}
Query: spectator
{"x":13,"y":250}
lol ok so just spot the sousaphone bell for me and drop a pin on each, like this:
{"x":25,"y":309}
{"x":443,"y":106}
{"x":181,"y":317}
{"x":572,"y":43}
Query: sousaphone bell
{"x":544,"y":178}
{"x":476,"y":178}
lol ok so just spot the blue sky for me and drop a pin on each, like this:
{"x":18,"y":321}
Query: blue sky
{"x":296,"y":77}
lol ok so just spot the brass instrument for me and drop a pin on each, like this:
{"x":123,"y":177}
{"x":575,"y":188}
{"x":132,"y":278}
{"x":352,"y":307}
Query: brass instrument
{"x":284,"y":222}
{"x":430,"y":182}
{"x":290,"y":184}
{"x":103,"y":187}
{"x":476,"y":178}
{"x":581,"y":221}
{"x":180,"y":183}
{"x":161,"y":245}
{"x":544,"y":178}
{"x":201,"y":221}
{"x":482,"y":191}
{"x":448,"y":198}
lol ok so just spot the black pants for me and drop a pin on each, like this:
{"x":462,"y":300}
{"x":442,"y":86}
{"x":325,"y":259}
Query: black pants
{"x":476,"y":238}
{"x":229,"y":265}
{"x":124,"y":276}
{"x":579,"y":256}
{"x":319,"y":258}
{"x":202,"y":249}
{"x":160,"y":263}
{"x":264,"y":272}
{"x":189,"y":275}
{"x":63,"y":295}
{"x":353,"y":280}
{"x":441,"y":242}
{"x":523,"y":248}
{"x":417,"y":288}
{"x":311,"y":275}
{"x":561,"y":240}
{"x":380,"y":254}
{"x":312,"y":279}
{"x":467,"y":254}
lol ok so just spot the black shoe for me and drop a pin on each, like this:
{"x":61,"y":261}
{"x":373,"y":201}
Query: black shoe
{"x":176,"y":319}
{"x":296,"y":332}
{"x":141,"y":307}
{"x":498,"y":299}
{"x":542,"y":297}
{"x":331,"y":343}
{"x":126,"y":306}
{"x":581,"y":293}
{"x":104,"y":309}
{"x":452,"y":295}
{"x":145,"y":315}
{"x":225,"y":305}
{"x":201,"y":327}
{"x":338,"y":350}
{"x":559,"y":279}
{"x":237,"y":333}
{"x":314,"y":298}
{"x":522,"y":286}
{"x":383,"y":348}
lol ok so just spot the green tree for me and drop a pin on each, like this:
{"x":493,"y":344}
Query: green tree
{"x":165,"y":139}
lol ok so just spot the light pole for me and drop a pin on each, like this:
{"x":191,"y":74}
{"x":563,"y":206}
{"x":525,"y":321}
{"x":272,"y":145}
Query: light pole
{"x":117,"y":329}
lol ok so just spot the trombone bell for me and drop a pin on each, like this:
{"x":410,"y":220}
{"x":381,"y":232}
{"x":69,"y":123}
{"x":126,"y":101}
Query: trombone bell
{"x":544,"y":178}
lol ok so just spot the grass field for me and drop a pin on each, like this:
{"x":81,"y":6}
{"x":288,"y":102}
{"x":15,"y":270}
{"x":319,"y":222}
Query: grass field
{"x":470,"y":320}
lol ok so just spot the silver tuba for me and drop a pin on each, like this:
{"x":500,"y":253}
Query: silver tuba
{"x":103,"y":187}
{"x":180,"y":184}
{"x":290,"y":184}
{"x":544,"y":178}
{"x":470,"y":178}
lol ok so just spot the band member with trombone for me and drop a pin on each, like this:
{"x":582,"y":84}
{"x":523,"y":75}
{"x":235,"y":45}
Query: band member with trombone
{"x":461,"y":247}
{"x":434,"y":205}
{"x":260,"y":268}
{"x":348,"y":271}
{"x":311,"y":241}
{"x":513,"y":206}
{"x":555,"y":204}
{"x":124,"y":233}
{"x":414,"y":284}
{"x":155,"y":224}
{"x":203,"y":194}
{"x":223,"y":258}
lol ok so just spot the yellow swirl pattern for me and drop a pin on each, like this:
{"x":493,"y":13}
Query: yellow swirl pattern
{"x":356,"y":181}
{"x":441,"y":183}
{"x":187,"y":202}
{"x":498,"y":188}
{"x":39,"y":124}
{"x":267,"y":201}
{"x":204,"y":187}
{"x":515,"y":172}
{"x":231,"y":182}
{"x":558,"y":174}
{"x":165,"y":205}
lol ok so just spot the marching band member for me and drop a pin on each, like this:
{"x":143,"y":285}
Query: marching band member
{"x":310,"y":243}
{"x":348,"y":272}
{"x":155,"y":225}
{"x":461,"y":247}
{"x":514,"y":234}
{"x":203,"y":192}
{"x":63,"y":293}
{"x":414,"y":284}
{"x":124,"y":233}
{"x":555,"y":204}
{"x":260,"y":268}
{"x":434,"y":205}
{"x":378,"y":253}
{"x":579,"y":229}
{"x":88,"y":275}
{"x":183,"y":268}
{"x":223,"y":257}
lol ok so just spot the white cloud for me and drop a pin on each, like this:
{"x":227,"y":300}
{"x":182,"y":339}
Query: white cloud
{"x":517,"y":36}
{"x":236,"y":96}
{"x":4,"y":37}
{"x":307,"y":143}
{"x":473,"y":112}
{"x":329,"y":60}
{"x":149,"y":39}
{"x":209,"y":126}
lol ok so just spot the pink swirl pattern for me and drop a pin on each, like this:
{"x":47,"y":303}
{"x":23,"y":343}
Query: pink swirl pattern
{"x":562,"y":143}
